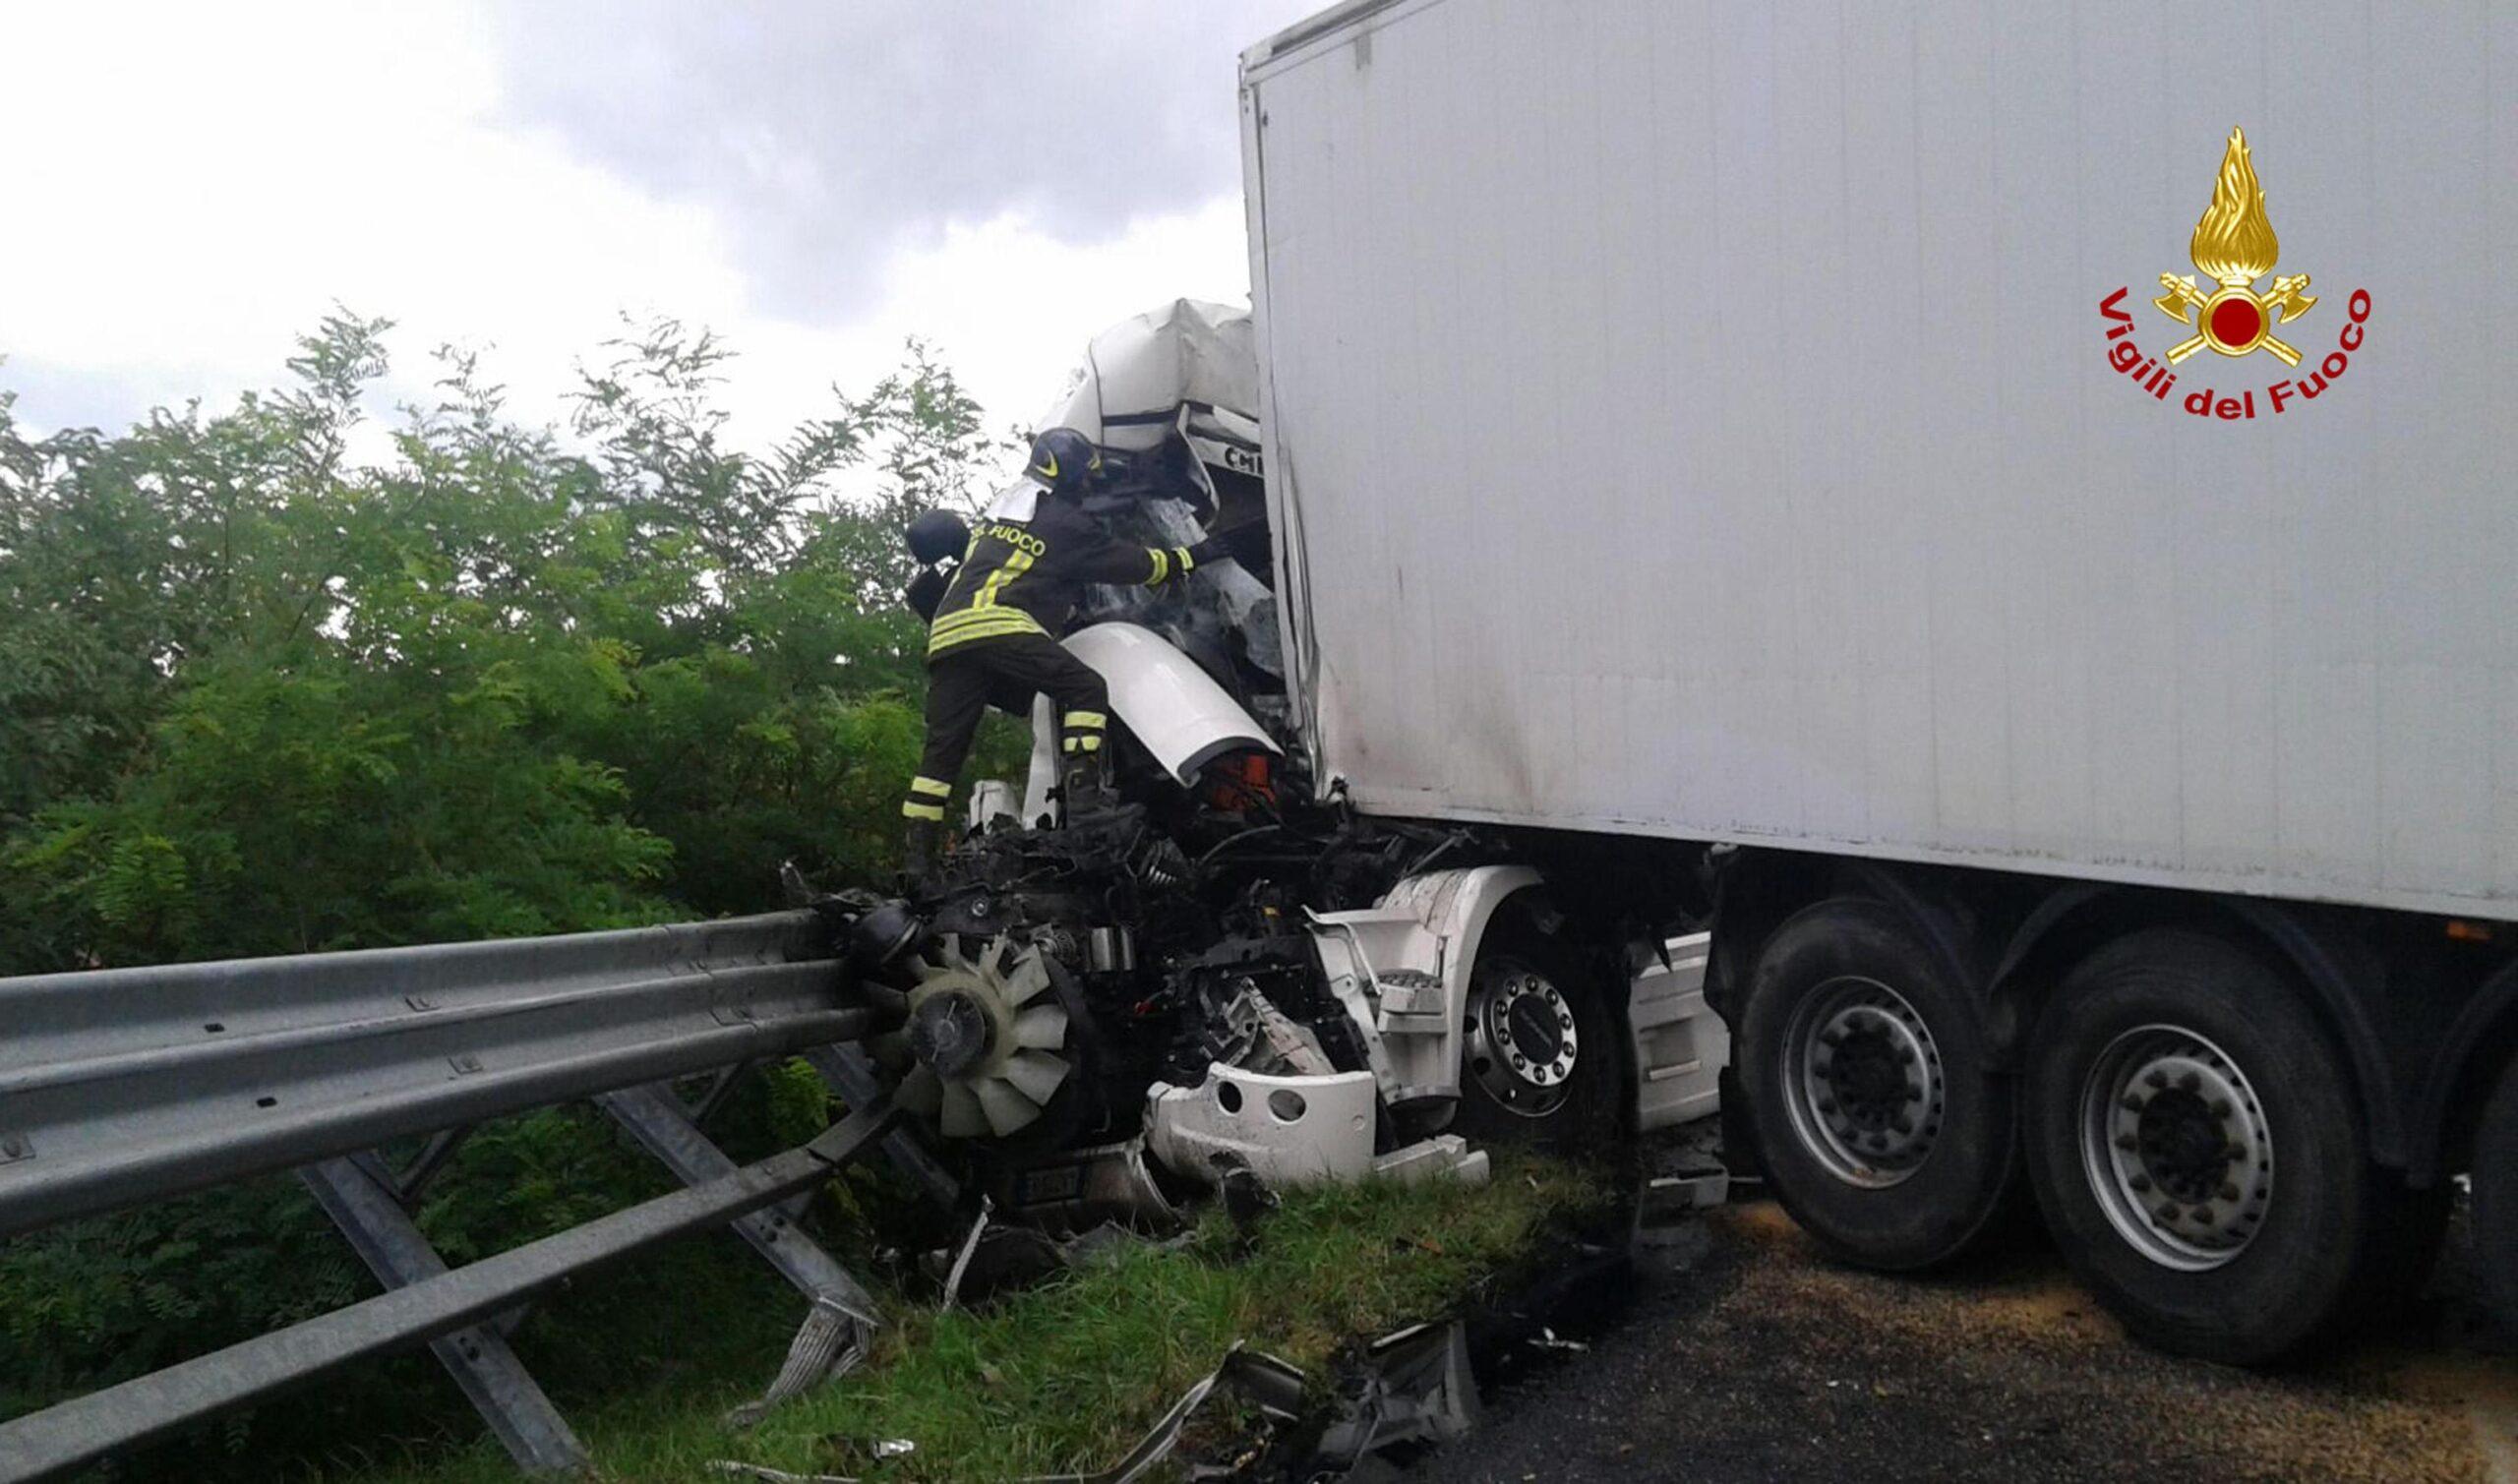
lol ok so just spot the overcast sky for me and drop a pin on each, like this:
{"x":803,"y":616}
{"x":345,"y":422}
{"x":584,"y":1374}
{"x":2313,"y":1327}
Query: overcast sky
{"x":188,"y":185}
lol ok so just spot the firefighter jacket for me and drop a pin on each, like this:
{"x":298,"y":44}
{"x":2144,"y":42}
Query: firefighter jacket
{"x":1024,"y":576}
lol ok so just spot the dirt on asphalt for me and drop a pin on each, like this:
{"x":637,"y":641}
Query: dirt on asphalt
{"x":1749,"y":1356}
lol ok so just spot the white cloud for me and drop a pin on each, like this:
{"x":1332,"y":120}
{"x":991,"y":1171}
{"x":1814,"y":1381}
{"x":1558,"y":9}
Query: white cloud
{"x":196,"y":184}
{"x":1007,"y":306}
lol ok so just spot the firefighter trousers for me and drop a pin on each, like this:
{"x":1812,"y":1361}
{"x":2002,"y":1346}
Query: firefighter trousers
{"x":964,"y":681}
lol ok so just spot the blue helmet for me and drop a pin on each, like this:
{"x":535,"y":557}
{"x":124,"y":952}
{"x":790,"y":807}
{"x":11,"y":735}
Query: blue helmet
{"x":1064,"y":459}
{"x":936,"y":535}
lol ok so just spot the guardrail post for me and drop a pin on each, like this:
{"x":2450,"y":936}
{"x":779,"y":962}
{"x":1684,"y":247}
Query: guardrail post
{"x":841,"y":1318}
{"x":657,"y":1119}
{"x":850,"y":1073}
{"x":477,"y":1357}
{"x":86,"y":1428}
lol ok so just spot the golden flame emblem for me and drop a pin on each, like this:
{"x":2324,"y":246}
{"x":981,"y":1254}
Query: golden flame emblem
{"x":2233,"y":246}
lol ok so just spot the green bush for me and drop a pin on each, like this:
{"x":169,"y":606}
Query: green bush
{"x":258,"y":696}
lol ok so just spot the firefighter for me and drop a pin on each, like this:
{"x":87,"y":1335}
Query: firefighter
{"x":993,"y":634}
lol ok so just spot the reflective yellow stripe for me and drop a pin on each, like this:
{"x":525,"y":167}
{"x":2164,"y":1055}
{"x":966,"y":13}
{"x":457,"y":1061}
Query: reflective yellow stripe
{"x":1180,"y":555}
{"x":964,"y":626}
{"x":960,"y":632}
{"x":976,"y":618}
{"x":1094,"y":719}
{"x":1088,"y":743}
{"x":967,"y":636}
{"x":1017,"y":562}
{"x":943,"y":643}
{"x":935,"y":786}
{"x":1162,"y":566}
{"x":933,"y":811}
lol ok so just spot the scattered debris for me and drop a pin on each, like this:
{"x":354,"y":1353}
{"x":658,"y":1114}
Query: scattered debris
{"x":962,"y":1263}
{"x":1667,"y":1198}
{"x":1092,"y":1187}
{"x":1265,"y":1382}
{"x":875,"y":1451}
{"x":767,"y":1476}
{"x":1419,"y":1388}
{"x":1247,"y":1200}
{"x":1445,"y":1155}
{"x":831,"y":1342}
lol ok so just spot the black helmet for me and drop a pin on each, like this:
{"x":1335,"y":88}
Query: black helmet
{"x":936,"y":535}
{"x":1064,"y":459}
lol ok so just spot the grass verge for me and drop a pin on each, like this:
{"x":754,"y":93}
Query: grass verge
{"x":1069,"y":1375}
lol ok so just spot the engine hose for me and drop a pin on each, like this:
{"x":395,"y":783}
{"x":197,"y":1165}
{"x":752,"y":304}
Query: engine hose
{"x":1228,"y":841}
{"x":1164,"y":866}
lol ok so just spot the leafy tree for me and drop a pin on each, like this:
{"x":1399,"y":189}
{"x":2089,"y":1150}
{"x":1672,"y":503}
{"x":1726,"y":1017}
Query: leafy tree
{"x":258,"y":696}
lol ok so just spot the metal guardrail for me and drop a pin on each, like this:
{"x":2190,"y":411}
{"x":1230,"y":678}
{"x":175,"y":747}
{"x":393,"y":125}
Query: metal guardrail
{"x":127,"y":1086}
{"x":81,"y":1430}
{"x":132,"y":1085}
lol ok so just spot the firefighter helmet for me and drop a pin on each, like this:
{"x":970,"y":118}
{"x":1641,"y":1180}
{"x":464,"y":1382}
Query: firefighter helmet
{"x":936,"y":535}
{"x":1064,"y":459}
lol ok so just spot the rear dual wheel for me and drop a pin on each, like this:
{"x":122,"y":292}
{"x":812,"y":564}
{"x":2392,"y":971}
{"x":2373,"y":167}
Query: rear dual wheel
{"x":2191,"y":1130}
{"x":1882,"y":1126}
{"x":2198,"y":1149}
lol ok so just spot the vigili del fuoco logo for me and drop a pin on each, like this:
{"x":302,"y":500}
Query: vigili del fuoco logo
{"x":2233,"y":247}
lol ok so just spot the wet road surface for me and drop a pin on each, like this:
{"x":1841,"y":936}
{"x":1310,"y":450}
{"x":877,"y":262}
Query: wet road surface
{"x":1741,"y":1354}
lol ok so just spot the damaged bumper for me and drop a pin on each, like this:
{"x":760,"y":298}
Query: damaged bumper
{"x":1288,"y":1130}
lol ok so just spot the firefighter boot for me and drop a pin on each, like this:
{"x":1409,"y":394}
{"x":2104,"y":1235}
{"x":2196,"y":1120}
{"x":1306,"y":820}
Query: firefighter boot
{"x":923,"y":854}
{"x":1087,"y":788}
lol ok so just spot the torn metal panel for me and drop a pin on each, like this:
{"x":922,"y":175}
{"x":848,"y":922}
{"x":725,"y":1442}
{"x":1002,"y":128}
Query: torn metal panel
{"x":1174,"y":391}
{"x":1420,"y":1389}
{"x":1141,"y":373}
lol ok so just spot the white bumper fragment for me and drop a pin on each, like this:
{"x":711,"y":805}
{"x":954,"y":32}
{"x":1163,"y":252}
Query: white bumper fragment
{"x":1288,"y":1130}
{"x":1292,"y":1130}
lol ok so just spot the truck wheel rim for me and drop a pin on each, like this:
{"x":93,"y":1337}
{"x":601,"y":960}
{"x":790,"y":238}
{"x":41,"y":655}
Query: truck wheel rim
{"x":1523,"y":1045}
{"x":2176,"y":1147}
{"x":1863,"y":1082}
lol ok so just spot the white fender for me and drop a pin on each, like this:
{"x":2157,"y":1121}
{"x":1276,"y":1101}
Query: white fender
{"x":1174,"y":708}
{"x":1402,"y":969}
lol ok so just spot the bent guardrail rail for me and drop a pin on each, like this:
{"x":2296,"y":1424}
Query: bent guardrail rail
{"x":127,"y":1086}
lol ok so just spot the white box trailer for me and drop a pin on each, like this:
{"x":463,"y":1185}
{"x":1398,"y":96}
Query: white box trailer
{"x":2047,"y":550}
{"x":1726,"y":388}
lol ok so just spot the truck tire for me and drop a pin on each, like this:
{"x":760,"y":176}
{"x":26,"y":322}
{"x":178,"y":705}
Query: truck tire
{"x":2195,"y":1144}
{"x":1539,"y":1063}
{"x":2496,"y":1208}
{"x":1881,"y":1122}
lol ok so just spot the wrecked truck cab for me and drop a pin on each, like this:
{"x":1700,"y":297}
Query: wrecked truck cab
{"x":1232,"y":975}
{"x":1171,"y":396}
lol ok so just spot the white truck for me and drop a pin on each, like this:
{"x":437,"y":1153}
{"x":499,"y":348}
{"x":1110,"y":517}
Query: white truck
{"x":2028,"y":561}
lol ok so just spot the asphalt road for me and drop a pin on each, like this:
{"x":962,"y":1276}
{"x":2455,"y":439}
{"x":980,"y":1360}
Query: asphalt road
{"x":1740,"y":1354}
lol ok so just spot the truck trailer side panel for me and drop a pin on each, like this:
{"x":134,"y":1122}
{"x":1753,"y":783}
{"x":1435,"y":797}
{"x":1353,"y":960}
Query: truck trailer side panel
{"x":1697,"y":420}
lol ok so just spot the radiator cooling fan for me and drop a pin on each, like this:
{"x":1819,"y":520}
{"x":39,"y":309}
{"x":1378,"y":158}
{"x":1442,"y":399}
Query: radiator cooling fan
{"x":985,"y":1043}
